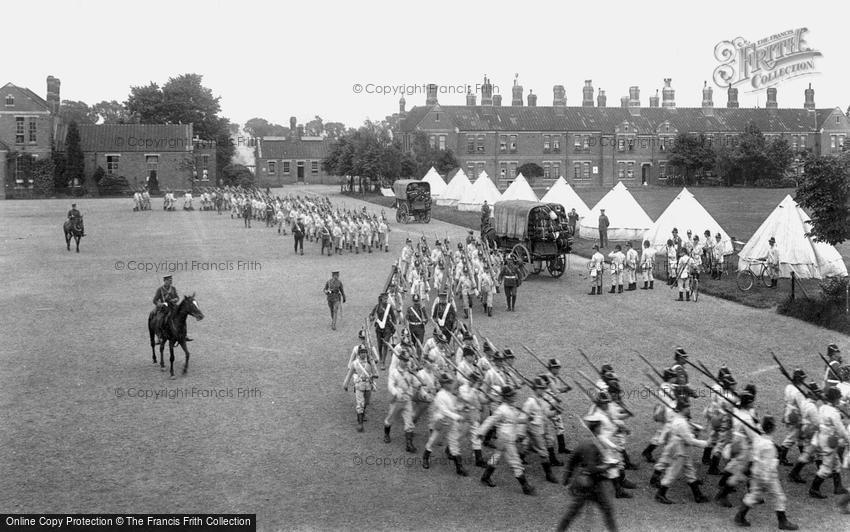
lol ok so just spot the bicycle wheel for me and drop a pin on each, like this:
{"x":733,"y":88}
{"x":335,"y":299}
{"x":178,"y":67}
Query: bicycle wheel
{"x":694,"y":289}
{"x":745,"y":280}
{"x":765,"y":278}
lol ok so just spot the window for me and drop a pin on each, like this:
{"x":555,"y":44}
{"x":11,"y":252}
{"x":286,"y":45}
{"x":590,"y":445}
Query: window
{"x":621,"y":144}
{"x":432,"y":142}
{"x":513,"y":144}
{"x":503,"y":170}
{"x":10,"y":101}
{"x":547,"y":171}
{"x":442,"y":143}
{"x":470,"y":170}
{"x":547,"y":143}
{"x":152,"y":162}
{"x":436,"y":117}
{"x":33,"y":129}
{"x":112,"y":164}
{"x":631,"y":144}
{"x":205,"y":162}
{"x":667,"y":128}
{"x":479,"y":168}
{"x":503,"y":143}
{"x":286,"y":167}
{"x":556,"y":143}
{"x":470,"y":144}
{"x":19,"y":130}
{"x":841,"y":141}
{"x":833,"y":140}
{"x":662,"y":169}
{"x":586,"y":169}
{"x":272,"y":167}
{"x":630,"y":170}
{"x":577,"y":171}
{"x":512,"y":173}
{"x":314,"y":167}
{"x":621,"y":170}
{"x":556,"y":170}
{"x":480,"y":143}
{"x":709,"y":139}
{"x":794,"y":141}
{"x":837,"y":119}
{"x":577,"y":141}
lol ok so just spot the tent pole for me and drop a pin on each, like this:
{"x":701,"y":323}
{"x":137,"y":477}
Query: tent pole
{"x":793,"y":279}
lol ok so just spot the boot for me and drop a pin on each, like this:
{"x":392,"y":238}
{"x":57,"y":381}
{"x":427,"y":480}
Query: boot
{"x":513,"y":303}
{"x":714,"y":467}
{"x":408,"y":442}
{"x":651,"y":285}
{"x":783,"y":456}
{"x":526,"y":488}
{"x":359,"y":422}
{"x":706,"y":456}
{"x":553,"y":458}
{"x":680,"y":296}
{"x":619,"y":491}
{"x":387,"y":434}
{"x":794,"y":475}
{"x":479,"y":459}
{"x":466,"y":313}
{"x":593,"y":290}
{"x":633,"y":286}
{"x":784,"y":523}
{"x":647,"y":453}
{"x":488,"y":439}
{"x":489,"y":311}
{"x":522,"y":459}
{"x":741,"y":516}
{"x":722,"y":497}
{"x":619,"y":289}
{"x":687,"y":296}
{"x":698,"y":496}
{"x":485,"y":478}
{"x":836,"y":482}
{"x":814,"y":490}
{"x":459,"y":469}
{"x":562,"y":446}
{"x":645,"y":285}
{"x":655,"y":479}
{"x":426,"y":459}
{"x":613,"y":289}
{"x":547,"y":468}
{"x":844,"y":503}
{"x":661,"y":495}
{"x":625,"y":483}
{"x":628,"y":462}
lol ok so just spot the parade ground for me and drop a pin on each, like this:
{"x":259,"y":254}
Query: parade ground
{"x":261,"y":424}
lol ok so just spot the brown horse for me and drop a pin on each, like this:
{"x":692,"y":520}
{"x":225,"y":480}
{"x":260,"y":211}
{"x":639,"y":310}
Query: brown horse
{"x":73,"y":229}
{"x":172,"y":330}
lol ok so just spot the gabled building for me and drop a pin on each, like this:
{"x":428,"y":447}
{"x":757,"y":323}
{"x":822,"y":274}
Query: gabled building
{"x":27,"y":128}
{"x":294,"y":159}
{"x":594,"y":144}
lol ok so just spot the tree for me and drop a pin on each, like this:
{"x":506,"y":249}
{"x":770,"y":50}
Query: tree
{"x":260,"y":127}
{"x":237,"y":174}
{"x":691,"y":156}
{"x":42,"y":173}
{"x":111,"y":112}
{"x":79,"y":112}
{"x":335,"y":130}
{"x":314,"y":127}
{"x":368,"y":153}
{"x":779,"y":159}
{"x":824,"y":190}
{"x":74,"y":160}
{"x":425,"y":156}
{"x":530,"y":171}
{"x":725,"y":165}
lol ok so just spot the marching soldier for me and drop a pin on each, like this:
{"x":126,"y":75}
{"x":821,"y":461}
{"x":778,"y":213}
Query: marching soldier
{"x":740,"y":448}
{"x":556,"y":390}
{"x":810,"y":418}
{"x":406,"y":257}
{"x":831,"y":434}
{"x":327,"y":240}
{"x":443,"y":314}
{"x":466,"y":366}
{"x":473,"y":400}
{"x":720,"y":419}
{"x":595,"y":266}
{"x":385,"y":326}
{"x":792,"y":416}
{"x":682,"y":440}
{"x":618,"y":261}
{"x":426,"y":388}
{"x":335,"y":292}
{"x":360,"y":370}
{"x":467,"y":290}
{"x":509,"y":422}
{"x":662,"y":415}
{"x":487,"y":288}
{"x":631,"y":265}
{"x":647,"y":263}
{"x":447,"y":420}
{"x":436,"y":349}
{"x":417,"y":318}
{"x":383,"y":235}
{"x":541,"y":441}
{"x":764,"y":478}
{"x":401,"y":387}
{"x":611,"y":451}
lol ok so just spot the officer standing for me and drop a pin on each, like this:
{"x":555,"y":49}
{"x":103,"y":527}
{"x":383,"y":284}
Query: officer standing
{"x":509,"y":277}
{"x":572,"y":220}
{"x":335,"y":292}
{"x":385,"y":321}
{"x":603,"y":228}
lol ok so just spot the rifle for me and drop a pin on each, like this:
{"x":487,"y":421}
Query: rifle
{"x":393,"y":270}
{"x":620,"y":402}
{"x":530,"y":352}
{"x":591,"y":363}
{"x":829,"y":367}
{"x":369,"y":341}
{"x":648,"y":363}
{"x":736,"y":416}
{"x":496,"y":283}
{"x":393,"y":349}
{"x":787,"y":375}
{"x":695,"y":426}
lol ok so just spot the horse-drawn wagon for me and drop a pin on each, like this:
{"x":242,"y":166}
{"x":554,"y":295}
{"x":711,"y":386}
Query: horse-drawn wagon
{"x":412,"y":199}
{"x":536,"y":234}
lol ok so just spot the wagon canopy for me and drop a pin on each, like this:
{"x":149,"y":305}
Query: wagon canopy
{"x":514,"y":218}
{"x":411,"y":189}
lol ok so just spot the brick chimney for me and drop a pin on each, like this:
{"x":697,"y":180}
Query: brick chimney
{"x":732,"y":98}
{"x":624,"y":102}
{"x":516,"y":91}
{"x":771,"y":98}
{"x":300,"y":130}
{"x":431,"y":96}
{"x":486,"y":92}
{"x":653,"y":100}
{"x":559,"y":96}
{"x":587,"y":93}
{"x":601,"y":99}
{"x":402,"y":103}
{"x":668,"y":95}
{"x":293,"y":129}
{"x":470,"y":99}
{"x":53,"y":100}
{"x":497,"y":100}
{"x":532,"y":99}
{"x":810,"y":98}
{"x":707,"y":99}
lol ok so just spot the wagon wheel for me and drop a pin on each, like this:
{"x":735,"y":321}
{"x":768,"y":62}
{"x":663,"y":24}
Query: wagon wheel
{"x":401,"y":213}
{"x":523,"y":257}
{"x":557,"y":266}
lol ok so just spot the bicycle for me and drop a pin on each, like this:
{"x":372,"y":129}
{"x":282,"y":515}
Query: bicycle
{"x":693,"y":280}
{"x":747,"y":278}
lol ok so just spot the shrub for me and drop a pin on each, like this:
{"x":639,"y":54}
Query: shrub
{"x":818,"y":311}
{"x":835,"y":290}
{"x":98,"y":174}
{"x":113,"y":185}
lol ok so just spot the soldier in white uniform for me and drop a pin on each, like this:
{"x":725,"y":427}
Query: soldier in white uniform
{"x":401,"y":387}
{"x":611,"y":451}
{"x":510,"y":423}
{"x":631,"y":265}
{"x":537,"y":409}
{"x":595,"y":266}
{"x":557,"y":389}
{"x":362,"y":372}
{"x":663,"y":416}
{"x":618,"y":261}
{"x":426,"y":388}
{"x":473,"y":399}
{"x":647,"y":263}
{"x":764,"y":478}
{"x":831,"y":435}
{"x":682,"y":441}
{"x":792,"y":416}
{"x":772,"y":260}
{"x":683,"y":268}
{"x":739,"y":449}
{"x":487,"y":287}
{"x":810,"y":420}
{"x":446,"y":420}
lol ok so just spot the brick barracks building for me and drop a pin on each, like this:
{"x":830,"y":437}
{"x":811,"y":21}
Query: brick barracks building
{"x":597,"y":145}
{"x":294,"y":159}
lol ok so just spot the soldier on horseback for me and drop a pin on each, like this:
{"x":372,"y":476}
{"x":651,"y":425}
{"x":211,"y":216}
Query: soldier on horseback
{"x":166,"y":300}
{"x":76,"y":219}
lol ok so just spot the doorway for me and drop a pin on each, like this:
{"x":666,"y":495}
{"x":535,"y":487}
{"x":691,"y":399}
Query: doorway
{"x":300,"y":171}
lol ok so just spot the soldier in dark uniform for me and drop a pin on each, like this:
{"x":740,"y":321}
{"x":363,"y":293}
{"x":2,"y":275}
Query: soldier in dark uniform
{"x":510,"y":280}
{"x":385,"y":325}
{"x":246,"y":212}
{"x":417,"y":318}
{"x":444,"y":315}
{"x":166,"y":301}
{"x":76,"y":218}
{"x":589,"y":481}
{"x":335,"y":292}
{"x":298,"y":231}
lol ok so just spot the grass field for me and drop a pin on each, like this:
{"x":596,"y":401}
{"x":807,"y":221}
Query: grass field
{"x":261,"y":424}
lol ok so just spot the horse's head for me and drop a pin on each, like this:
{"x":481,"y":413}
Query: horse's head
{"x":190,"y":306}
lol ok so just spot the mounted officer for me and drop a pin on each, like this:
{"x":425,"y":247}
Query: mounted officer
{"x":76,"y":219}
{"x":166,"y":301}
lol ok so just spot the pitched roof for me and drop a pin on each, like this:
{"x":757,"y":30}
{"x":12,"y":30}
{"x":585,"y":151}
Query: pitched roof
{"x":35,"y":97}
{"x":295,"y":148}
{"x":3,"y":146}
{"x":148,"y":138}
{"x":684,"y":119}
